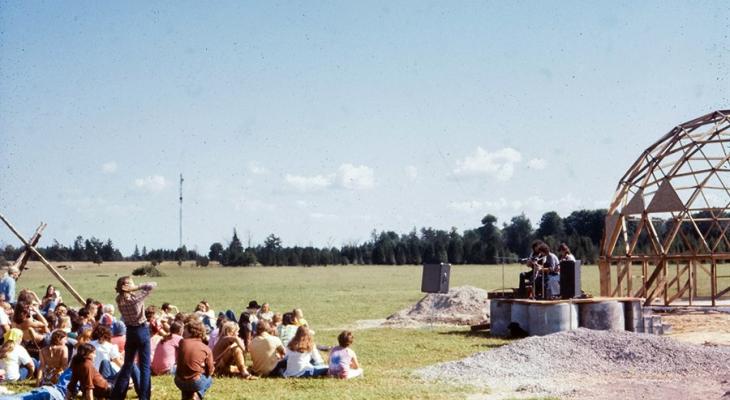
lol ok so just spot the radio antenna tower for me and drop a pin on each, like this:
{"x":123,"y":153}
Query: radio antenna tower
{"x":181,"y":202}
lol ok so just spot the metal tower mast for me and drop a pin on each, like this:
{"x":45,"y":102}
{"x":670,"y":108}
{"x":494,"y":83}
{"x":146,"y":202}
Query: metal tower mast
{"x":181,"y":204}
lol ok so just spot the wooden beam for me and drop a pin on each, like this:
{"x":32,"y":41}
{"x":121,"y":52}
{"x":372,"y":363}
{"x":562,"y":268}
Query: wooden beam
{"x":723,"y":292}
{"x":713,"y":283}
{"x":45,"y":262}
{"x":676,"y":278}
{"x":622,"y":273}
{"x":25,"y":254}
{"x":680,"y":292}
{"x":604,"y":268}
{"x":650,"y":282}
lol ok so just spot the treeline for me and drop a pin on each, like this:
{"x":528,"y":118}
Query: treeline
{"x":486,"y":244}
{"x":98,"y":251}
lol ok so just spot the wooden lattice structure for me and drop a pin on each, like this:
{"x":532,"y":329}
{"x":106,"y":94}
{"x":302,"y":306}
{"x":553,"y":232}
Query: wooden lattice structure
{"x":666,"y":233}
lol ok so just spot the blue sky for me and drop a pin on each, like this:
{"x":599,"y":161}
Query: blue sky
{"x":320,"y":121}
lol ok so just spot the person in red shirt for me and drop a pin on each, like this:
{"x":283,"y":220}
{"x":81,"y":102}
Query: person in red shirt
{"x":195,"y":368}
{"x":86,"y":376}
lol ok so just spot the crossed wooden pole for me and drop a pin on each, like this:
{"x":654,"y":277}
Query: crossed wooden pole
{"x":29,"y":248}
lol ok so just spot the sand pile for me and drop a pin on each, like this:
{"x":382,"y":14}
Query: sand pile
{"x":588,"y":364}
{"x":464,"y":305}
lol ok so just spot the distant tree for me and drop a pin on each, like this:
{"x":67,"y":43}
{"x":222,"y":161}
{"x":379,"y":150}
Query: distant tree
{"x":107,"y":252}
{"x":415,"y":255}
{"x":272,"y":246}
{"x":234,"y":255}
{"x":491,"y":244}
{"x":92,"y":250}
{"x":518,"y":235}
{"x":57,"y":252}
{"x":216,"y":251}
{"x":309,"y":256}
{"x":551,"y":225}
{"x":325,"y":257}
{"x":78,"y":253}
{"x":586,"y":223}
{"x":456,"y":247}
{"x":136,"y":256}
{"x":181,"y":254}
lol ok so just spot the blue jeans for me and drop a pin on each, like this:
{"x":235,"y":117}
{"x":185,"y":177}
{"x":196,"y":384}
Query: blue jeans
{"x":201,"y":385}
{"x":107,"y":371}
{"x":316,"y":371}
{"x":25,"y":372}
{"x":138,"y":344}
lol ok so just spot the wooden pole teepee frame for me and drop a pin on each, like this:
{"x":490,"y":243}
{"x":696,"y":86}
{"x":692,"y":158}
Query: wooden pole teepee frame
{"x":30,"y":248}
{"x":668,"y":222}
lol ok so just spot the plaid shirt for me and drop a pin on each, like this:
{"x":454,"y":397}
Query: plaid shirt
{"x":131,"y":305}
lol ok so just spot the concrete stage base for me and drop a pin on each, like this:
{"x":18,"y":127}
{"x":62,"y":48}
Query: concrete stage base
{"x":543,"y":317}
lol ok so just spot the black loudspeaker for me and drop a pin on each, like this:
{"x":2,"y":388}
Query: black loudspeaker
{"x":570,"y":279}
{"x":436,"y":278}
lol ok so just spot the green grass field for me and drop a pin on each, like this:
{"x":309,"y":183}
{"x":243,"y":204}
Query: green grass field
{"x":331,"y":297}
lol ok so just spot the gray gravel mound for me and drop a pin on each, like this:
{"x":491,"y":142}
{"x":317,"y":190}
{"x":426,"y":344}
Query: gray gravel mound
{"x":559,"y":363}
{"x":464,"y":305}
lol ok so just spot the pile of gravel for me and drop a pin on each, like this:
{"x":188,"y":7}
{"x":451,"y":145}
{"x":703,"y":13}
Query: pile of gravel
{"x":562,"y":362}
{"x":464,"y":305}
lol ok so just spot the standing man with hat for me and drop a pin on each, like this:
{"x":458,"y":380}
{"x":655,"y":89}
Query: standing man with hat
{"x":130,"y":299}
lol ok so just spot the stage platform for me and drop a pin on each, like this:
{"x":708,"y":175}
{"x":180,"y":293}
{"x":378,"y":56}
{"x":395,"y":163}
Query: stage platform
{"x":514,"y":317}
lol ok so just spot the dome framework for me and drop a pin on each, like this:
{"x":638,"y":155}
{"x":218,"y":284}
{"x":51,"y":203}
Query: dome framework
{"x":666,"y":236}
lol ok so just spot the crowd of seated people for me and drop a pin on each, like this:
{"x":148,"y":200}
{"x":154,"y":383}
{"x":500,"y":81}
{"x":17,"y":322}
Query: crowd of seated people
{"x":91,"y":352}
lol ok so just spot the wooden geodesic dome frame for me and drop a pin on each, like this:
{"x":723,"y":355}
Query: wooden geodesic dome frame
{"x":666,"y":233}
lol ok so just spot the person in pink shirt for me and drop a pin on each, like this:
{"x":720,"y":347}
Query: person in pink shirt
{"x":163,"y":361}
{"x":343,"y":361}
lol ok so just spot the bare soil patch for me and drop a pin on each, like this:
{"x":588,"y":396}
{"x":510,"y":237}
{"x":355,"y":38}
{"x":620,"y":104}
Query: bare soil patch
{"x":709,"y":327}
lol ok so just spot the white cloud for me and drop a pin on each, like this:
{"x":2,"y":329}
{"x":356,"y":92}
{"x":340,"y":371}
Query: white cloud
{"x":348,"y":176}
{"x":531,"y":205}
{"x":317,"y":215}
{"x":537,"y":205}
{"x":537,"y":163}
{"x":356,"y":177}
{"x":467,"y":206}
{"x":257,"y":169}
{"x":499,"y":164}
{"x":109,"y":167}
{"x":479,"y":206}
{"x":411,"y":172}
{"x":153,"y":183}
{"x":309,"y":183}
{"x":301,"y":203}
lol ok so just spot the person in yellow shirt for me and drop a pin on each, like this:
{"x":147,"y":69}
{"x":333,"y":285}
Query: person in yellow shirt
{"x":267,"y":351}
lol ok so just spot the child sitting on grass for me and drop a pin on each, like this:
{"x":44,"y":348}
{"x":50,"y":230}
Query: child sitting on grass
{"x":343,"y":361}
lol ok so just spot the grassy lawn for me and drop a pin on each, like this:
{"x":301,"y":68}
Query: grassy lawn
{"x":331,"y":297}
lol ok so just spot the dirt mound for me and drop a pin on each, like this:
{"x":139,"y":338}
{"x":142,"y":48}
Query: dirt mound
{"x":588,"y":364}
{"x":464,"y":305}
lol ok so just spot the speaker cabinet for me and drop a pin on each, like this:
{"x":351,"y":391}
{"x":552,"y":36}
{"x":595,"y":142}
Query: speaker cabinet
{"x":570,"y":279}
{"x":436,"y":278}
